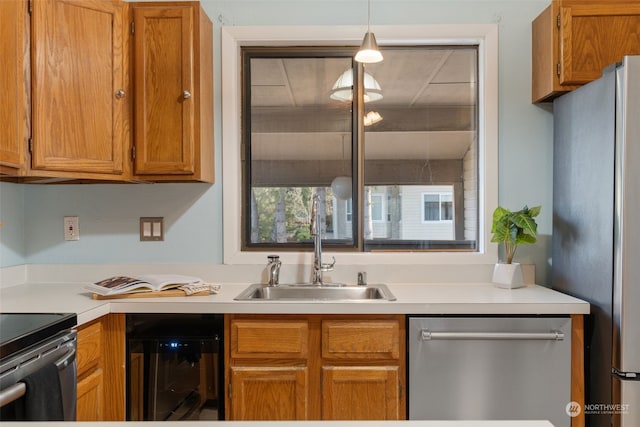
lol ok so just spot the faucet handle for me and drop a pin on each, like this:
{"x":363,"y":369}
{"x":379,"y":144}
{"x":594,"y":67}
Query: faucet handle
{"x":328,"y":266}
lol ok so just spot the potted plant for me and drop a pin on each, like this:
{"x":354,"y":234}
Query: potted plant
{"x":511,"y":229}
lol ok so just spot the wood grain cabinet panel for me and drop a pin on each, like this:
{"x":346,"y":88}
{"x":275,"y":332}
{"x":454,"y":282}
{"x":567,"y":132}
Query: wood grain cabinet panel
{"x":313,"y":367}
{"x":173,"y":79}
{"x":360,"y":393}
{"x":14,"y":80}
{"x":90,"y":397}
{"x":79,"y":83}
{"x":269,"y":339}
{"x":269,"y":393}
{"x":360,"y":339}
{"x":101,"y":375}
{"x":574,"y":40}
{"x":89,"y":347}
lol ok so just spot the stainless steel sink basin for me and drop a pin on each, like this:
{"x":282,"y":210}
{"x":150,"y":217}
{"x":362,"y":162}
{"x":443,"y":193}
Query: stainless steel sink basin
{"x":309,"y":292}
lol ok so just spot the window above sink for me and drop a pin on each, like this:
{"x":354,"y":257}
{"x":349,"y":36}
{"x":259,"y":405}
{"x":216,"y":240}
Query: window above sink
{"x":365,"y":226}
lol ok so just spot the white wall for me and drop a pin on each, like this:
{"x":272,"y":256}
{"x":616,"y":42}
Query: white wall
{"x":193,"y":213}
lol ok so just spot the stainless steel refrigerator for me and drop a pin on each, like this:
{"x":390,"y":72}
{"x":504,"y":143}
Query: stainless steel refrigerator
{"x":596,"y":233}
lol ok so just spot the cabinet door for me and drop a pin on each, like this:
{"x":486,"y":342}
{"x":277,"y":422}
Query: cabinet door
{"x":594,"y":37}
{"x":79,"y":96}
{"x":90,"y":397}
{"x":13,"y":85}
{"x":164,"y":89}
{"x":269,"y":393}
{"x":360,"y":393}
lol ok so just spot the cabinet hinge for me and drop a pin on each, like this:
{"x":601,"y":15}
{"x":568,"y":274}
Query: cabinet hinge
{"x":133,"y":152}
{"x":30,"y":143}
{"x":30,"y":7}
{"x":558,"y":69}
{"x":230,"y":394}
{"x":133,"y":27}
{"x":558,"y":21}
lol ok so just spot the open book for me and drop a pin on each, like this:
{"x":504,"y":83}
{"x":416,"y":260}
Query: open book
{"x":146,"y":283}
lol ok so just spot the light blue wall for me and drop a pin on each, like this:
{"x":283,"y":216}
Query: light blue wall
{"x":193,"y":213}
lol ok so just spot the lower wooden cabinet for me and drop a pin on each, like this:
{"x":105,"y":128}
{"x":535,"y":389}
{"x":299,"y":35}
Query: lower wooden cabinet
{"x":270,"y":393}
{"x":91,"y":396}
{"x":315,"y":367}
{"x":361,"y":393}
{"x":101,"y":374}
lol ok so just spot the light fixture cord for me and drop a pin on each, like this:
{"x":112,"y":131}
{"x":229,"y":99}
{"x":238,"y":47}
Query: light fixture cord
{"x":368,"y":15}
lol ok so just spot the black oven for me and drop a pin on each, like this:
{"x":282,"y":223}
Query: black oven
{"x":37,"y":367}
{"x":175,"y":367}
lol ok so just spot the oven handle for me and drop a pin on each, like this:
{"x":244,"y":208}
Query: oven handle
{"x":68,"y":359}
{"x":16,"y":391}
{"x":427,"y":335}
{"x":12,"y":393}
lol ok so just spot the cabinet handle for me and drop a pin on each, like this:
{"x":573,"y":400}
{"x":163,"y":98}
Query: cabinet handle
{"x":120,"y":94}
{"x":427,"y":335}
{"x":186,"y":94}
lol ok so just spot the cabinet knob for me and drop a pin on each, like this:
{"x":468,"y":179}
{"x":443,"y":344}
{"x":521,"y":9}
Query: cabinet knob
{"x":186,"y":94}
{"x":120,"y":94}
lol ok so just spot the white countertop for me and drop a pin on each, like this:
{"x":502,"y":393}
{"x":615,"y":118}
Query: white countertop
{"x":432,"y":298}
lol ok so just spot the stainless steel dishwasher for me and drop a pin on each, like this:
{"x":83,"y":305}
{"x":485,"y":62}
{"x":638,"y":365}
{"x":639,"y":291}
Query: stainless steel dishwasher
{"x":490,"y":368}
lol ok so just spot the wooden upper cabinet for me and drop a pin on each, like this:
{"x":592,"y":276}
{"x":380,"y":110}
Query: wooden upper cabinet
{"x":14,"y":81}
{"x":79,"y":88}
{"x":574,"y":40}
{"x":173,"y":84}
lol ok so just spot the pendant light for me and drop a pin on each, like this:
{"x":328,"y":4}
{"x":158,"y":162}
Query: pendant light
{"x":341,"y":186}
{"x":369,"y":52}
{"x":342,"y":89}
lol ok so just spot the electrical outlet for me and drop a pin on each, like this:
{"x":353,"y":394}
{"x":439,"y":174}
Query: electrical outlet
{"x":71,"y":228}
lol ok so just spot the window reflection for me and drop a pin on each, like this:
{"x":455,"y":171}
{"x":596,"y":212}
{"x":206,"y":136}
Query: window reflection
{"x":418,"y":147}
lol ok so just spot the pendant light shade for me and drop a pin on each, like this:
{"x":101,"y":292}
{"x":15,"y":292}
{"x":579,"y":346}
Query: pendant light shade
{"x":369,"y":52}
{"x":343,"y":87}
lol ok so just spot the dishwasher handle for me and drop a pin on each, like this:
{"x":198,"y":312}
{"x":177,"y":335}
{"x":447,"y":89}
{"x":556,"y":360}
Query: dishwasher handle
{"x":428,"y":335}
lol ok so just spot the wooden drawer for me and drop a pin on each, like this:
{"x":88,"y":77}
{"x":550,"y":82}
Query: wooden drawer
{"x":89,"y":346}
{"x":367,"y":339}
{"x":281,"y":339}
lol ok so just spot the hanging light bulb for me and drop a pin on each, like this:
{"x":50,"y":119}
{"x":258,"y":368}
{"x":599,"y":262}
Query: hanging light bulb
{"x":369,"y":52}
{"x":341,"y":187}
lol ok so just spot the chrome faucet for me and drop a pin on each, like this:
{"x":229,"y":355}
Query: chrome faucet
{"x":273,"y":270}
{"x":316,"y":232}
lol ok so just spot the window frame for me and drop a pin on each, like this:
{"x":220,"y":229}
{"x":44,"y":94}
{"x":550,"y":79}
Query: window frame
{"x":485,"y":36}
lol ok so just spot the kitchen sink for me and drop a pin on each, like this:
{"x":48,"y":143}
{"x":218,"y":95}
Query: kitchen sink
{"x":309,"y":292}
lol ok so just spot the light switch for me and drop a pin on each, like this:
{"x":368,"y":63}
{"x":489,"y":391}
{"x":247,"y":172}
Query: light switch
{"x":151,"y":228}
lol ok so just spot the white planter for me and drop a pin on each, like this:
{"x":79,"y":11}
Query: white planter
{"x":508,"y":276}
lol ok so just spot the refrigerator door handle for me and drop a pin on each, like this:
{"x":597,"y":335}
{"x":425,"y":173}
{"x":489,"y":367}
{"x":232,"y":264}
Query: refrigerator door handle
{"x":427,"y":335}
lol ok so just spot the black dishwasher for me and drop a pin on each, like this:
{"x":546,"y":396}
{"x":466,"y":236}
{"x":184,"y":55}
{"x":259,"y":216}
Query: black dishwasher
{"x":175,"y":367}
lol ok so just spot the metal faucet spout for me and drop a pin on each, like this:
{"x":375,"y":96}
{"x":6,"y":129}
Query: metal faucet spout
{"x":315,"y":230}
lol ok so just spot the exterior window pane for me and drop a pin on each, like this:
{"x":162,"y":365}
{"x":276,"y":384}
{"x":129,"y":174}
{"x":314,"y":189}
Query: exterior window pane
{"x":413,"y":131}
{"x":431,"y":207}
{"x":297,"y":142}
